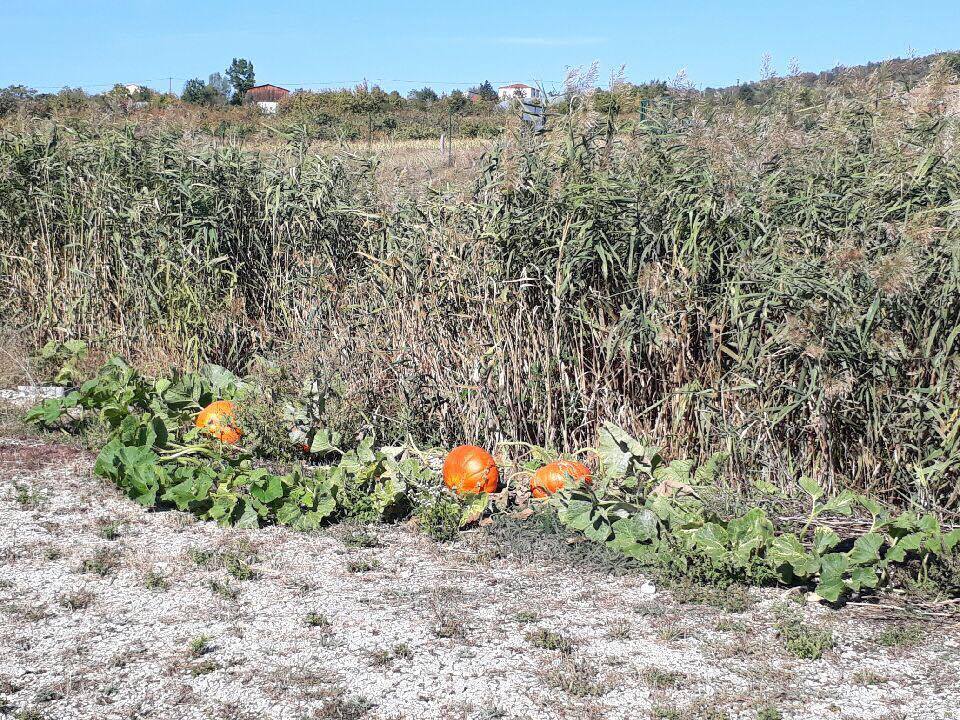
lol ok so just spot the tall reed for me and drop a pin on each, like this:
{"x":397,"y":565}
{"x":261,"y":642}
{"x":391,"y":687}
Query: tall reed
{"x":780,"y":283}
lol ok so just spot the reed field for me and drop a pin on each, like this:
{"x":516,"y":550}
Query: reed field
{"x":781,"y":283}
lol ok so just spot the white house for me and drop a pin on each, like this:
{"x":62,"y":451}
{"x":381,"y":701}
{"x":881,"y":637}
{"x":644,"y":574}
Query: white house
{"x":518,"y":91}
{"x":267,"y":97}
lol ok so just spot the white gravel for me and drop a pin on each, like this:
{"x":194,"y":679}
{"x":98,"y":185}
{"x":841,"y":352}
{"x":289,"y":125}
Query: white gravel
{"x":432,"y":631}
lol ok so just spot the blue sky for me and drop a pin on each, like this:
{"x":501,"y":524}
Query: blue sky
{"x":400,"y":45}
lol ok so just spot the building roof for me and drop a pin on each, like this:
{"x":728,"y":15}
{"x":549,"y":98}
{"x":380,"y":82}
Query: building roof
{"x":265,"y":93}
{"x":515,"y":86}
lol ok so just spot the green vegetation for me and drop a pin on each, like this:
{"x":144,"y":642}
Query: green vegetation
{"x":901,"y":636}
{"x":772,"y":291}
{"x":550,"y":640}
{"x":666,"y":515}
{"x":763,"y":301}
{"x":801,"y":640}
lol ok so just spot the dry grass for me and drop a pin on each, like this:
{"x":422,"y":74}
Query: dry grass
{"x":774,"y":283}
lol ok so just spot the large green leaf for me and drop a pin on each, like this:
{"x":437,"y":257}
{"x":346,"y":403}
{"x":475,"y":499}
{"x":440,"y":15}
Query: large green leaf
{"x":824,"y":539}
{"x":621,"y":455}
{"x":866,"y":549}
{"x":833,"y":567}
{"x":787,"y":550}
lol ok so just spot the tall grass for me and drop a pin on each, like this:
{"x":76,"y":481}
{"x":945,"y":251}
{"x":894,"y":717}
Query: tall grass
{"x":780,"y":283}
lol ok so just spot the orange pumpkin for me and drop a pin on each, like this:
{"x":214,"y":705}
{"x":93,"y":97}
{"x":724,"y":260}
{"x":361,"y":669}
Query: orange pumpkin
{"x":470,"y":469}
{"x":217,"y":419}
{"x":550,"y":478}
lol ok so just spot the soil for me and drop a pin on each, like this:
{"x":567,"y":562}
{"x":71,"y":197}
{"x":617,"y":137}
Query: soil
{"x":109,"y":610}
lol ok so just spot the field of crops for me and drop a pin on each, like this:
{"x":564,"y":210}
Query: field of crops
{"x":778,"y":283}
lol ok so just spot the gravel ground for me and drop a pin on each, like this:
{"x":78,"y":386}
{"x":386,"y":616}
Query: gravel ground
{"x":110,"y":611}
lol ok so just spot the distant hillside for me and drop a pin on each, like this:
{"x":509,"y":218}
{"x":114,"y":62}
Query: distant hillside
{"x":907,"y":71}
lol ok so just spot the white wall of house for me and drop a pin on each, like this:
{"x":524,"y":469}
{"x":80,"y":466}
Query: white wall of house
{"x":526,"y":93}
{"x":270,"y":108}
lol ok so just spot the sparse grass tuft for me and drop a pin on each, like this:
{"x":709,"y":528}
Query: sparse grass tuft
{"x":238,"y":561}
{"x":550,"y":640}
{"x":200,"y":645}
{"x":224,"y":589}
{"x":77,"y":600}
{"x":800,"y":640}
{"x":732,"y":598}
{"x":576,"y":677}
{"x":29,"y":498}
{"x":361,"y":539}
{"x":449,"y":626}
{"x":104,"y":562}
{"x":342,"y":707}
{"x":110,"y":531}
{"x":155,"y":580}
{"x":868,"y":678}
{"x":315,"y":619}
{"x":659,"y":679}
{"x":673,"y":631}
{"x":401,"y":651}
{"x":363,"y":565}
{"x":29,"y":714}
{"x":200,"y":557}
{"x":901,"y":636}
{"x":620,"y":630}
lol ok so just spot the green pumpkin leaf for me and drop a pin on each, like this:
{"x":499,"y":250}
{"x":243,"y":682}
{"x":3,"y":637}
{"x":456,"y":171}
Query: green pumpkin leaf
{"x":787,"y":549}
{"x":249,"y":517}
{"x":951,"y":539}
{"x":474,"y":509}
{"x":598,"y":530}
{"x":193,"y":489}
{"x":267,"y":489}
{"x":577,"y":515}
{"x":641,"y":527}
{"x":811,"y":487}
{"x":841,"y":504}
{"x":832,"y":569}
{"x":866,"y":549}
{"x":622,"y":455}
{"x":864,"y":577}
{"x":711,"y":539}
{"x":903,"y":545}
{"x":824,"y":539}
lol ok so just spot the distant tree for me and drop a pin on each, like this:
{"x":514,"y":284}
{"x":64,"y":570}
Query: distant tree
{"x":746,"y":93}
{"x":423,"y":97}
{"x":68,"y":100}
{"x":608,"y":102}
{"x":456,"y":102}
{"x":118,"y":99}
{"x":485,"y":91}
{"x":15,"y":96}
{"x":240,"y":74}
{"x":220,"y":87}
{"x":365,"y":101}
{"x":953,"y":62}
{"x":197,"y":92}
{"x":194,"y":91}
{"x":143,"y":94}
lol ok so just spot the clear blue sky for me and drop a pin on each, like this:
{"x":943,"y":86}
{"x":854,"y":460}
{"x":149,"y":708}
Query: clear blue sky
{"x":93,"y":43}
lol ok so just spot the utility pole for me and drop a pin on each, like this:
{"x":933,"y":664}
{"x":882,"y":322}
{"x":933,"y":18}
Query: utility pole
{"x":170,"y":86}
